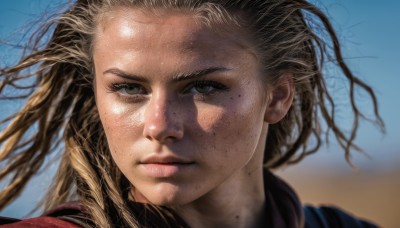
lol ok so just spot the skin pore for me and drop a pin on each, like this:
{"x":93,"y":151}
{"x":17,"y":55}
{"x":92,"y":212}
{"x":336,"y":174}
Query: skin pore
{"x":186,"y":114}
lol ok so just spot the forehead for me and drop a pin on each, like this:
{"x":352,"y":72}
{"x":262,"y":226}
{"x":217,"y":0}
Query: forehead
{"x":172,"y":27}
{"x":160,"y":45}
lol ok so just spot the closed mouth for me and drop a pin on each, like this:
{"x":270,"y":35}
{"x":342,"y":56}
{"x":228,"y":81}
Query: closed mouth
{"x":169,"y":160}
{"x":165,"y":169}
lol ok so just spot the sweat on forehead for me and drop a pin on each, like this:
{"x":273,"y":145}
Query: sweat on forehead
{"x":133,"y":21}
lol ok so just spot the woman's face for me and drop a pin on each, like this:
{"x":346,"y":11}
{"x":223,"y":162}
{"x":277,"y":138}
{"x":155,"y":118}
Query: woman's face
{"x":182,"y":107}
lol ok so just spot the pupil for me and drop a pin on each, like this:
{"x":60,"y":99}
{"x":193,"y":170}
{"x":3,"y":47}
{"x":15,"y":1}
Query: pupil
{"x":203,"y":88}
{"x":132,"y":90}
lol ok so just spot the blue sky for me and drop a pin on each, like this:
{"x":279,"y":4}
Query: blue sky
{"x":370,"y":31}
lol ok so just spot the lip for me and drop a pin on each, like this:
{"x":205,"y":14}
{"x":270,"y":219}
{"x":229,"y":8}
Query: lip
{"x":164,"y":166}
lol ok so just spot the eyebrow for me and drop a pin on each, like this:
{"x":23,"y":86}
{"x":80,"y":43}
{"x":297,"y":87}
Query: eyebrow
{"x":197,"y":74}
{"x":175,"y":78}
{"x":125,"y":75}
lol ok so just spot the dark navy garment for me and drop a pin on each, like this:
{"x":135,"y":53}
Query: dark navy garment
{"x":332,"y":217}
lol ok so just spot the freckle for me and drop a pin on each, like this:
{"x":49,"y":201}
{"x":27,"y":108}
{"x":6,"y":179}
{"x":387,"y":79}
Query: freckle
{"x":237,"y":216}
{"x":240,"y":95}
{"x":213,"y":133}
{"x":231,"y":98}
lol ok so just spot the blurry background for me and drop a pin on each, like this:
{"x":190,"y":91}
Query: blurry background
{"x":370,"y":33}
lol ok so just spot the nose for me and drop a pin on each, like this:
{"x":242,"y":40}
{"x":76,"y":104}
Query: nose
{"x":162,"y":122}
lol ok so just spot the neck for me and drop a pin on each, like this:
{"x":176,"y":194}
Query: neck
{"x":233,"y":204}
{"x":237,"y":202}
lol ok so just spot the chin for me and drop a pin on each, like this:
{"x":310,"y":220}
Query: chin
{"x":167,"y":194}
{"x":170,"y":200}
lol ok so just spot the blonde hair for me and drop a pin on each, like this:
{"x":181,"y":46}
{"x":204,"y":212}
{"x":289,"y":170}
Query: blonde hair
{"x":60,"y":101}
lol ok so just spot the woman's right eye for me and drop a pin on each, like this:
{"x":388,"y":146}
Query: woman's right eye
{"x":127,"y":89}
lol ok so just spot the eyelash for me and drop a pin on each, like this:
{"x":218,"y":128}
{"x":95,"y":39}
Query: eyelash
{"x":119,"y":87}
{"x":206,"y":83}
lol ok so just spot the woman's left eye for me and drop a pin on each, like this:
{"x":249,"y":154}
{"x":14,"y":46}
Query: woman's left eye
{"x":204,"y":87}
{"x":128,"y":89}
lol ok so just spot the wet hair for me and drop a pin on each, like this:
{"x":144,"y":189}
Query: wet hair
{"x":55,"y":79}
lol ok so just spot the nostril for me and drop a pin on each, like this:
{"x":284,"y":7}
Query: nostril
{"x":163,"y":129}
{"x":164,"y":135}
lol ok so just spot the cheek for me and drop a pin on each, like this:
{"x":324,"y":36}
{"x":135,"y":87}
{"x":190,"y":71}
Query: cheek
{"x":121,"y":130}
{"x":234,"y":128}
{"x":120,"y":121}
